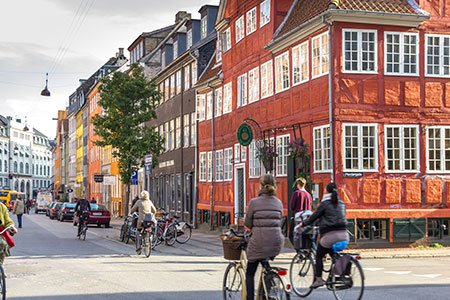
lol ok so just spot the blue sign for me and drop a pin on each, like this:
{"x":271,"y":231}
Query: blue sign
{"x":134,"y":178}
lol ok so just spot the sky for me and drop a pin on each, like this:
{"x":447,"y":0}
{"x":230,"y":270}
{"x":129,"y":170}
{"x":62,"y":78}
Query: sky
{"x":70,"y":40}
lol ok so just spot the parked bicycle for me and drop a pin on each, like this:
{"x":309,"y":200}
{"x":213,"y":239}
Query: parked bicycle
{"x":165,"y":231}
{"x":124,"y":237}
{"x":271,"y":282}
{"x":345,"y":274}
{"x":184,"y":231}
{"x":2,"y":271}
{"x":82,"y":230}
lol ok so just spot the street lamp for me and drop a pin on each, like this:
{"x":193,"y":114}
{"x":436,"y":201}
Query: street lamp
{"x":45,"y":92}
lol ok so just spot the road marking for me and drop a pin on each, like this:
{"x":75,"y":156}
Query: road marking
{"x":373,"y":269}
{"x":398,"y":272}
{"x":428,"y":275}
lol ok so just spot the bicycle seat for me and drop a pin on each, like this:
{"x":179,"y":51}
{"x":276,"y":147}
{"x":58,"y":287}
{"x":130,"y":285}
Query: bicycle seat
{"x":339,"y":246}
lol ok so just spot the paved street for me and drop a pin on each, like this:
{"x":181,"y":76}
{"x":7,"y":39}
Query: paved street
{"x":50,"y":263}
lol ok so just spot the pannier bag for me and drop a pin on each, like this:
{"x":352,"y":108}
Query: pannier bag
{"x":342,"y":266}
{"x":148,"y":220}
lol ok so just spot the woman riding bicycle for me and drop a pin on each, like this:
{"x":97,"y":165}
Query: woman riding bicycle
{"x":143,"y":206}
{"x":5,"y":221}
{"x":332,"y":228}
{"x":264,"y":215}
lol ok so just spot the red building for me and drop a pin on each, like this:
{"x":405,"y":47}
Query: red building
{"x":386,"y":140}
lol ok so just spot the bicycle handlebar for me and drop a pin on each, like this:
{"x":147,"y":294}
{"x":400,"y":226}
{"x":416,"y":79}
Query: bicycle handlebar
{"x":7,"y":228}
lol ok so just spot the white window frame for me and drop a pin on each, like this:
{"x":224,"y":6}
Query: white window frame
{"x":226,"y":40}
{"x":178,"y":85}
{"x":267,"y":79}
{"x":201,"y":101}
{"x":254,"y":164}
{"x":264,"y":13}
{"x":442,"y":160}
{"x":253,"y":85}
{"x":240,"y":29}
{"x":227,"y":98}
{"x":186,"y":130}
{"x":322,"y":58}
{"x":194,"y":73}
{"x":228,"y":165}
{"x":219,"y":165}
{"x":187,"y":77}
{"x":193,"y":129}
{"x":251,"y":24}
{"x":360,"y":49}
{"x":282,"y":148}
{"x":242,"y":90}
{"x":210,"y":166}
{"x":401,"y":53}
{"x":209,"y":105}
{"x":325,"y":152}
{"x":401,"y":148}
{"x":441,"y":56}
{"x":279,"y":72}
{"x":300,"y":59}
{"x":237,"y":153}
{"x":202,"y":167}
{"x":360,"y":148}
{"x":204,"y":27}
{"x":218,"y":100}
{"x":189,"y":38}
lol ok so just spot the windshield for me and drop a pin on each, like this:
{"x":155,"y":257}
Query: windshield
{"x":70,"y":205}
{"x":58,"y":205}
{"x":4,"y":194}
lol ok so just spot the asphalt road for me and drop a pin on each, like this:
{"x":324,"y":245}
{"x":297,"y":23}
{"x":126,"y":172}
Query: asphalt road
{"x":49,"y":262}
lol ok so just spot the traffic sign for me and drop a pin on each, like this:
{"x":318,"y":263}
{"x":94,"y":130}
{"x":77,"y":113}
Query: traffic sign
{"x":98,"y":177}
{"x":134,"y":178}
{"x":148,"y":159}
{"x":69,"y":190}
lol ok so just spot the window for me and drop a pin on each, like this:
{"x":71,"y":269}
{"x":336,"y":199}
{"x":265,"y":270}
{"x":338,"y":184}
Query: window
{"x":228,"y":166}
{"x":266,"y":79}
{"x":401,"y":146}
{"x":359,"y":50}
{"x":237,"y":152}
{"x":178,"y":80}
{"x":243,"y":153}
{"x":226,"y":40}
{"x":172,"y":135}
{"x":178,"y":132}
{"x":193,"y":130}
{"x":360,"y":147}
{"x":166,"y":89}
{"x":189,"y":38}
{"x":219,"y":165}
{"x":194,"y":73}
{"x":282,"y":72}
{"x":219,"y":47}
{"x":218,"y":99}
{"x":204,"y":27}
{"x":172,"y":85}
{"x":322,"y":149}
{"x":283,"y":154}
{"x":300,"y":66}
{"x":438,"y":151}
{"x":251,"y":21}
{"x":242,"y":90}
{"x":163,"y":58}
{"x":201,"y":107}
{"x":254,"y":164}
{"x":187,"y":78}
{"x":202,"y":173}
{"x":240,"y":30}
{"x":166,"y":136}
{"x":210,"y":165}
{"x":438,"y":55}
{"x":264,"y":16}
{"x":253,"y":85}
{"x":175,"y":49}
{"x":186,"y":126}
{"x":320,"y":55}
{"x":227,"y":94}
{"x":209,"y":105}
{"x":401,"y":53}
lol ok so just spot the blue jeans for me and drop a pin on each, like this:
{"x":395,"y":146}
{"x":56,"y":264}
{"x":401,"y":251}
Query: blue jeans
{"x":19,"y":220}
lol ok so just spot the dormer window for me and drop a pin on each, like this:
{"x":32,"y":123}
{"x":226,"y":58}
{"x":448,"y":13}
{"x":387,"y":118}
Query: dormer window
{"x":189,"y":38}
{"x":204,"y":27}
{"x":163,"y":58}
{"x":175,"y":49}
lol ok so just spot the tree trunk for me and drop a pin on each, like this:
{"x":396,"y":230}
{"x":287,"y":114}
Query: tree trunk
{"x":127,"y":200}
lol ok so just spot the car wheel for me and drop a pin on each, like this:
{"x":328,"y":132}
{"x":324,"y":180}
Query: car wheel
{"x":107,"y":225}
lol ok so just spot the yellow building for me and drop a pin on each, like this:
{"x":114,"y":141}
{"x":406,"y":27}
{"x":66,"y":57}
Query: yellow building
{"x":79,"y":193}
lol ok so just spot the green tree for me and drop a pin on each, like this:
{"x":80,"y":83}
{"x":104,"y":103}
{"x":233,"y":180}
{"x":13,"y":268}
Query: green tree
{"x":128,"y":101}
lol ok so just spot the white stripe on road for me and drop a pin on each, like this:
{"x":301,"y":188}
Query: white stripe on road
{"x":398,"y":272}
{"x":373,"y":269}
{"x":428,"y":275}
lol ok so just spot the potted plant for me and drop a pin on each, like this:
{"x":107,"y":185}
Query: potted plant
{"x":299,"y":151}
{"x":266,"y":154}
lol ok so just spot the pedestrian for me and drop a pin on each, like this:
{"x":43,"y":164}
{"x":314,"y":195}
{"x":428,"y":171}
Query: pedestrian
{"x":301,"y":200}
{"x":264,"y":215}
{"x":332,"y":228}
{"x":93,"y":201}
{"x":28,"y":206}
{"x":18,"y":210}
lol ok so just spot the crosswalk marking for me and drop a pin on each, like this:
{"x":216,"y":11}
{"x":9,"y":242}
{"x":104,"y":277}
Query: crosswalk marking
{"x":428,"y":275}
{"x":398,"y":272}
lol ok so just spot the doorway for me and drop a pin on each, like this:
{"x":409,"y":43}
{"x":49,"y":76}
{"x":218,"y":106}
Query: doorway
{"x":239,"y":193}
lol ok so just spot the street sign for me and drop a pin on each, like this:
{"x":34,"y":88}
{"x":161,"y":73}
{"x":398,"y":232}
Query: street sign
{"x":134,"y":178}
{"x":98,"y":177}
{"x":109,"y":179}
{"x":69,"y":190}
{"x":244,"y":134}
{"x":148,"y":159}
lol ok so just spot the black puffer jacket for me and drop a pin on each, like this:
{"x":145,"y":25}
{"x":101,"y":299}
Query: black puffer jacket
{"x":330,"y":217}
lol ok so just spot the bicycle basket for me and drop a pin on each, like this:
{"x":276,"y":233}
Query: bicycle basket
{"x":232,"y":247}
{"x":303,"y":237}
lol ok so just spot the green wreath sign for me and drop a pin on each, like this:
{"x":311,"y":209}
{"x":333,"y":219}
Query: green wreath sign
{"x":244,"y":134}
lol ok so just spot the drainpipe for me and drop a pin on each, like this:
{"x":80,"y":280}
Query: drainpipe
{"x":330,"y":95}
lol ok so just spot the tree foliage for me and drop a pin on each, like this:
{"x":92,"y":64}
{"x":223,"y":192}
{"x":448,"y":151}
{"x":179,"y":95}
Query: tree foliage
{"x":128,"y":102}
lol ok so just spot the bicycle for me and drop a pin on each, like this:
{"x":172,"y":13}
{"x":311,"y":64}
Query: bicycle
{"x":2,"y":271}
{"x":302,"y":273}
{"x":84,"y":219}
{"x":184,"y":231}
{"x":124,"y":229}
{"x":271,"y":283}
{"x":144,"y":239}
{"x":165,"y":231}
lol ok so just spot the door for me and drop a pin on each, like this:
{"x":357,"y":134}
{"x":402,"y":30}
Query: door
{"x":239,"y":192}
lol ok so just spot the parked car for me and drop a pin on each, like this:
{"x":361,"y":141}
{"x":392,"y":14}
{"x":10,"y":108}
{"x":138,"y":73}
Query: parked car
{"x":66,"y":211}
{"x":99,"y":215}
{"x":48,"y":208}
{"x":54,"y":210}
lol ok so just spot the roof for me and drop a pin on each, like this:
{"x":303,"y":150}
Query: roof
{"x":3,"y":121}
{"x":302,"y":11}
{"x":150,"y":34}
{"x":37,"y":132}
{"x":211,"y":72}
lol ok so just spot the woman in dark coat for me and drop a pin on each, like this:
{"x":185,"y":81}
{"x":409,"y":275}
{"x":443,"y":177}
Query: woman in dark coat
{"x":264,"y":215}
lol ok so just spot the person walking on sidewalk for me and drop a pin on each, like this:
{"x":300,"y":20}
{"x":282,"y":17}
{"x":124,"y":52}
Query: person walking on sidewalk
{"x":18,"y":210}
{"x":332,"y":228}
{"x":301,"y":200}
{"x":264,"y":215}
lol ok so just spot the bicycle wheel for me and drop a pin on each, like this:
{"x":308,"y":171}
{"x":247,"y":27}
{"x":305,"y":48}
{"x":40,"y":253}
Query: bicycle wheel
{"x":233,"y":283}
{"x":2,"y":283}
{"x":301,"y":274}
{"x":274,"y":286}
{"x":350,"y":285}
{"x":146,"y":244}
{"x":170,"y":235}
{"x":123,"y":230}
{"x":157,"y":236}
{"x":83,"y":232}
{"x":184,"y":232}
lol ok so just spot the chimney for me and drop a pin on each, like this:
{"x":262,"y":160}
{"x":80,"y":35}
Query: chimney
{"x":181,"y":15}
{"x":120,"y":53}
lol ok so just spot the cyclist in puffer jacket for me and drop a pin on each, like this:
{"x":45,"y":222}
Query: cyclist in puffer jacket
{"x":330,"y":216}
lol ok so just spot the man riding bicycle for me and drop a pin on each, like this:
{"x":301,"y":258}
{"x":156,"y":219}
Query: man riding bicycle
{"x":82,"y":210}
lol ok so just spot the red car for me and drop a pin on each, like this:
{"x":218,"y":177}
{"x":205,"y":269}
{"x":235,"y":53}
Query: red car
{"x":99,"y":215}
